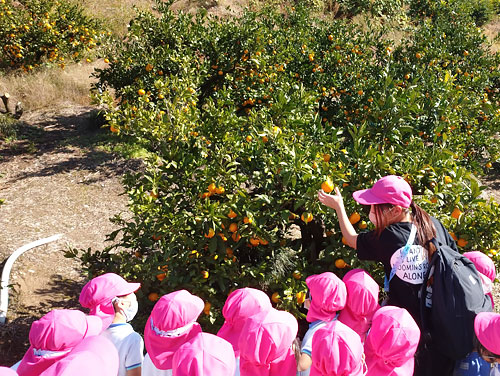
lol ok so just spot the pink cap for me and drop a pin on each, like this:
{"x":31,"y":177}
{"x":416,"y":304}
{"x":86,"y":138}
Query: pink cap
{"x":337,"y":350}
{"x":362,"y":301}
{"x":240,"y":305}
{"x":483,"y":264}
{"x":266,"y":344}
{"x":96,"y":356}
{"x":171,"y":324}
{"x":328,"y":295}
{"x":390,"y":189}
{"x":391,"y":342}
{"x":5,"y":371}
{"x":54,"y":335}
{"x":98,"y":293}
{"x":204,"y":355}
{"x":487,"y":328}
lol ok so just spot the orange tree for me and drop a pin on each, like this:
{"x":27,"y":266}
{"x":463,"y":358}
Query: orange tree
{"x":246,"y":119}
{"x":33,"y":32}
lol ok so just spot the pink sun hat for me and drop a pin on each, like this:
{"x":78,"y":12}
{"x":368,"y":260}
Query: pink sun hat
{"x":171,"y":324}
{"x":486,"y":269}
{"x":240,"y":305}
{"x":266,"y":344}
{"x":53,"y":336}
{"x":392,"y":342}
{"x":5,"y":371}
{"x":362,"y":301}
{"x":337,"y":350}
{"x":328,"y":295}
{"x":487,"y":329}
{"x":98,"y":293}
{"x":204,"y":355}
{"x":390,"y":189}
{"x":96,"y":356}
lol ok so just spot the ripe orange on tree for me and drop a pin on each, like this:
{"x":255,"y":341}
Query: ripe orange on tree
{"x":210,"y":234}
{"x":232,"y":214}
{"x":456,"y":213}
{"x":307,"y":217}
{"x":327,"y":185}
{"x":206,"y":309}
{"x":462,"y":242}
{"x":212,"y":188}
{"x":275,"y":298}
{"x":254,"y":241}
{"x":205,"y":274}
{"x":247,"y":220}
{"x":326,"y":157}
{"x":161,"y":276}
{"x":301,"y":297}
{"x":354,"y":218}
{"x":296,"y":274}
{"x":362,"y":225}
{"x":141,"y":92}
{"x":233,"y":227}
{"x":340,"y":263}
{"x":448,"y":179}
{"x":153,"y":296}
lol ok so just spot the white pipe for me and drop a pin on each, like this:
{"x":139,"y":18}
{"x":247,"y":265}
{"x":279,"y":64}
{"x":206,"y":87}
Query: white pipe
{"x":4,"y":286}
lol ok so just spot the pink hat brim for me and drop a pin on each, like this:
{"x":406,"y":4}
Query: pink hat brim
{"x":32,"y":365}
{"x":486,"y":327}
{"x":366,"y":197}
{"x":161,"y":349}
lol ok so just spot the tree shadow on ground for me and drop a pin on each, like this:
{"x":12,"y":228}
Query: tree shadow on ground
{"x":63,"y":293}
{"x":68,"y":142}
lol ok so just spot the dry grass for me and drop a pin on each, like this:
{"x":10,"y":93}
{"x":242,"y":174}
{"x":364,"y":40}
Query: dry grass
{"x":116,"y":14}
{"x":51,"y":87}
{"x":492,"y":29}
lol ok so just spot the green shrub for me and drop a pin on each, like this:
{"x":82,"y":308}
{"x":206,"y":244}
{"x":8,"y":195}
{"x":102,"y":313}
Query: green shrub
{"x":245,"y":118}
{"x":33,"y":32}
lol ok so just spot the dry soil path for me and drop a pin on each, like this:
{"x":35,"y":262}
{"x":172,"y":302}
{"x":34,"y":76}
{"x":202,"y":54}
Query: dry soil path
{"x":53,"y":180}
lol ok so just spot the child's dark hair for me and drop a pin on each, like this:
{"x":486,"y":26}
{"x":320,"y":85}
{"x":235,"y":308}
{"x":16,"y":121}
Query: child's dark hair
{"x":422,"y":220}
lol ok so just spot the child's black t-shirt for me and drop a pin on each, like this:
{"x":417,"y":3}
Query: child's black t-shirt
{"x":405,"y":285}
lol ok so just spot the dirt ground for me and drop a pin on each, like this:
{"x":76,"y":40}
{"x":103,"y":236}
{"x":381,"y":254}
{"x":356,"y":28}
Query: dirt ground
{"x":56,"y":181}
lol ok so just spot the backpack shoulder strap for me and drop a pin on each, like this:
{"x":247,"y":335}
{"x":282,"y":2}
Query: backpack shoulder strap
{"x":404,"y":253}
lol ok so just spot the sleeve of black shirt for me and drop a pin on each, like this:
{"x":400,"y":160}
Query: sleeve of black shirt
{"x":365,"y":246}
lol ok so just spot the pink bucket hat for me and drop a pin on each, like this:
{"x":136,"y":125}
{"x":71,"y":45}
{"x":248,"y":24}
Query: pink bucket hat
{"x":328,"y":295}
{"x":391,"y":342}
{"x":96,"y":356}
{"x":53,"y":336}
{"x":204,"y":355}
{"x":266,"y":344}
{"x":5,"y":371}
{"x":362,"y":301}
{"x":337,"y":350}
{"x":98,"y":293}
{"x":171,"y":324}
{"x":487,"y":329}
{"x":486,"y":269}
{"x":390,"y":189}
{"x":240,"y":305}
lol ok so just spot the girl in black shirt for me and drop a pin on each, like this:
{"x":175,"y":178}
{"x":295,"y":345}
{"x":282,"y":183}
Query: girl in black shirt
{"x":390,"y":199}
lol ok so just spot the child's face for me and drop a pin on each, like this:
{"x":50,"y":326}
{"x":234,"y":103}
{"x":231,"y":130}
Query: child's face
{"x":488,"y":356}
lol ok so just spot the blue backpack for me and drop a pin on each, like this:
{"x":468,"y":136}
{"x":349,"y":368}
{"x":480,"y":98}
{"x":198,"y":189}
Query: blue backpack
{"x":450,"y":298}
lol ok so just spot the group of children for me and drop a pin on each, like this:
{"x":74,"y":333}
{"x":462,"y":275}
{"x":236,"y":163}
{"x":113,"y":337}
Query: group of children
{"x":349,"y":332}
